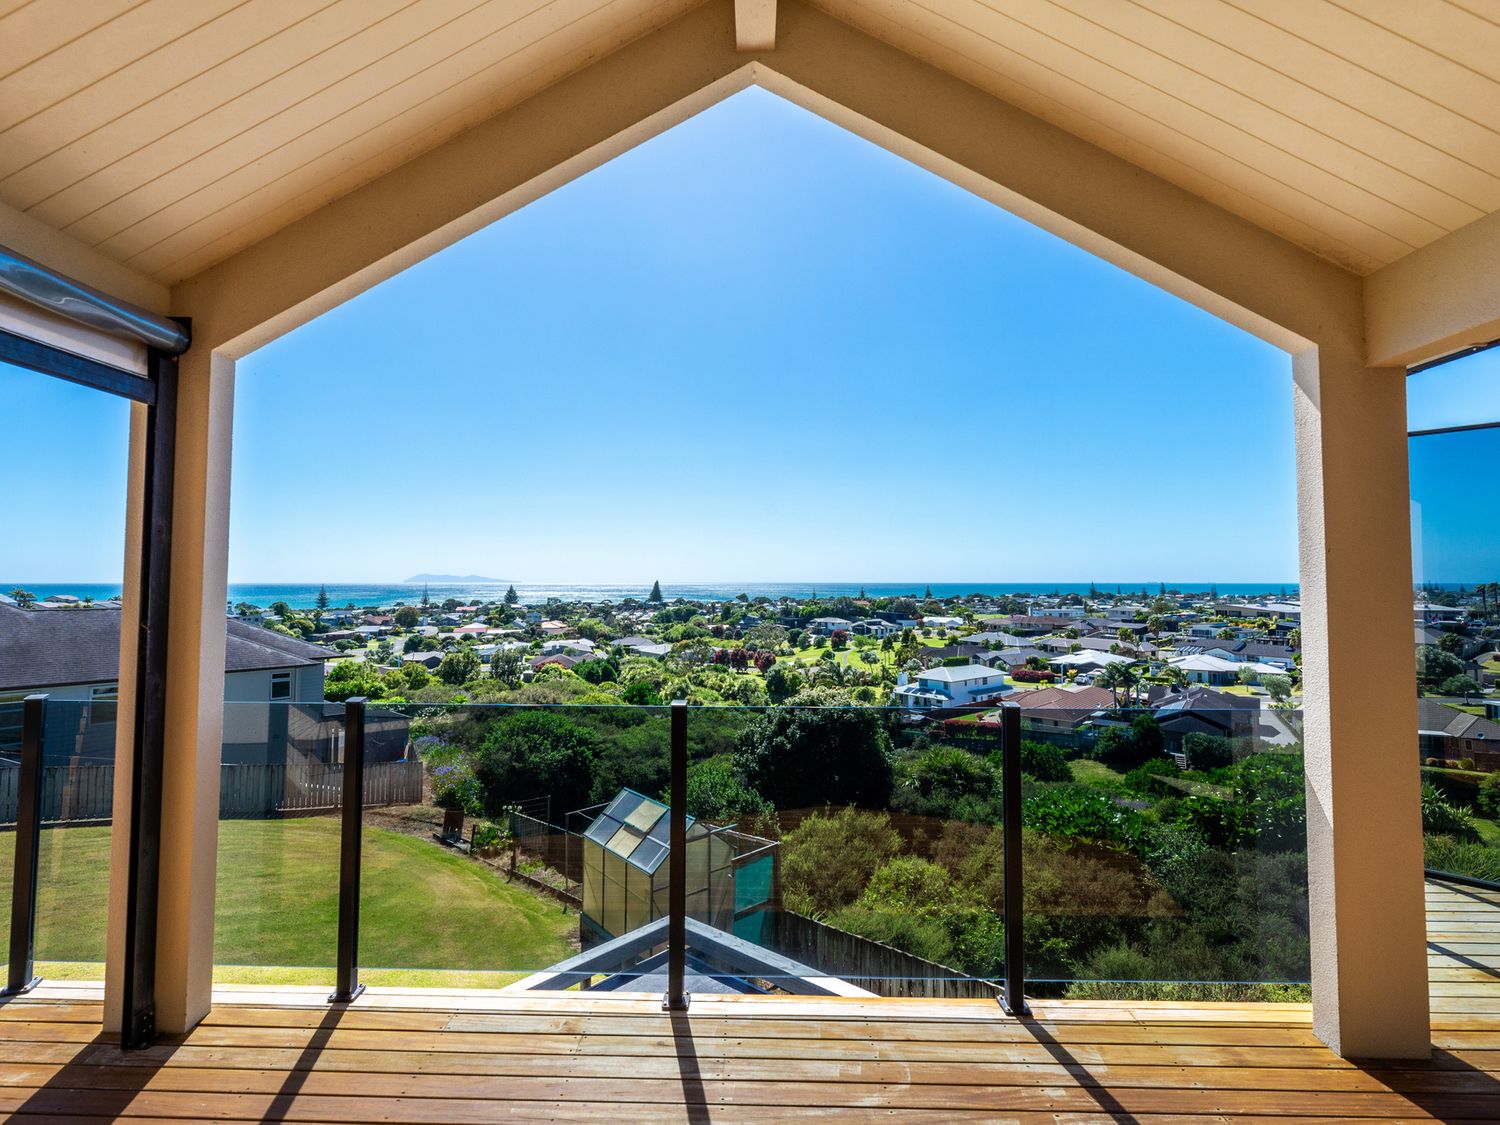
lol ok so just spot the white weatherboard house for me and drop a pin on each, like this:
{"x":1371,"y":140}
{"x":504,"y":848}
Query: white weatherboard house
{"x":952,"y":687}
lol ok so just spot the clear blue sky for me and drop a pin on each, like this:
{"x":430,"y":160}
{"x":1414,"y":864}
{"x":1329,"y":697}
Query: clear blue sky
{"x":756,"y":347}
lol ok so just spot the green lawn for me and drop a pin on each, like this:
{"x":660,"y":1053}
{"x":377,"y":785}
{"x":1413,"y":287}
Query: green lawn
{"x":1087,"y":772}
{"x":428,"y":915}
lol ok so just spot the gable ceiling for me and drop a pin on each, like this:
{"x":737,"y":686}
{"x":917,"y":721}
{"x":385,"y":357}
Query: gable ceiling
{"x":169,"y":134}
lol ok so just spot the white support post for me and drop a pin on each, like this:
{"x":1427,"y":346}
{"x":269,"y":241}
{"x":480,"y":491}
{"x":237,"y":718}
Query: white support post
{"x":1364,"y":845}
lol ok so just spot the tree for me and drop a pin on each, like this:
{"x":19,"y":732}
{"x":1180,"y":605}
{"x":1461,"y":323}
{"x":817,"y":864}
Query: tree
{"x":426,"y":599}
{"x":782,"y":682}
{"x":528,"y":754}
{"x":1279,"y":688}
{"x":808,"y":756}
{"x":948,"y":783}
{"x":459,"y":667}
{"x":655,"y":595}
{"x":506,"y":666}
{"x":597,"y":671}
{"x":1206,"y":751}
{"x":1121,"y":679}
{"x":1434,"y":665}
{"x":281,"y":609}
{"x":22,"y":597}
{"x":716,"y":792}
{"x":350,"y":678}
{"x":511,"y":597}
{"x":407,"y":617}
{"x":322,"y":602}
{"x":1225,"y":634}
{"x":1460,"y":685}
{"x":1451,"y":643}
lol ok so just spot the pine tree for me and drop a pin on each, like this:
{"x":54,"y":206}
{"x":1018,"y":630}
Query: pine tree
{"x":1093,"y":590}
{"x":511,"y":597}
{"x":426,"y":600}
{"x":1163,"y":591}
{"x":927,"y":593}
{"x":655,"y":595}
{"x":861,"y":591}
{"x":322,"y":597}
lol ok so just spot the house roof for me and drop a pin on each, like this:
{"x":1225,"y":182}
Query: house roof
{"x":1438,"y":718}
{"x":959,"y":674}
{"x":82,"y":646}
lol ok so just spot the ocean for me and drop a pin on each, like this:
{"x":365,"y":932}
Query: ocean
{"x":303,"y":595}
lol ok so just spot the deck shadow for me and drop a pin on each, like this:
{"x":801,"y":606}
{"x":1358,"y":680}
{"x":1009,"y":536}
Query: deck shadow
{"x":1445,"y":1087}
{"x":694,"y":1097}
{"x":1488,"y":970}
{"x":1082,"y":1077}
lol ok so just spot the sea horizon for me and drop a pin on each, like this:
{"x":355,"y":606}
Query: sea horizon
{"x":303,"y":595}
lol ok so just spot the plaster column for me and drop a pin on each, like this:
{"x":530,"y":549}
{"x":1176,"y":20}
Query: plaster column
{"x":195,"y":694}
{"x":1364,"y":830}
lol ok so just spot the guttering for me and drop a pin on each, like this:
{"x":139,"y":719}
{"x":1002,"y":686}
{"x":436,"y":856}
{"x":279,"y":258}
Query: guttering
{"x":36,"y":284}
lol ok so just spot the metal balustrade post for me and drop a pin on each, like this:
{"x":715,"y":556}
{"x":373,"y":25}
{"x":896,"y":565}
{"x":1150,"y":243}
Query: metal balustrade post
{"x":351,"y":823}
{"x":28,"y":846}
{"x":1013,"y":999}
{"x":676,"y":1000}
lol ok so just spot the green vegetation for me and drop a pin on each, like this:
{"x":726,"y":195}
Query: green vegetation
{"x":428,"y":916}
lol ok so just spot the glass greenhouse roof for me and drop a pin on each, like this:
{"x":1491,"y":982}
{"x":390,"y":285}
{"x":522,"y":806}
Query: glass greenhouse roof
{"x":635,"y":828}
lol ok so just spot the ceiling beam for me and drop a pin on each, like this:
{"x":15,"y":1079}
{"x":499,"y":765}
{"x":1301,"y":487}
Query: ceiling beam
{"x":754,"y":25}
{"x":1436,"y":300}
{"x":66,"y":255}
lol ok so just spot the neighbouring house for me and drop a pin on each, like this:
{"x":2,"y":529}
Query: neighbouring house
{"x":1446,"y":732}
{"x":1057,"y":710}
{"x":827,"y":626}
{"x":1085,"y":662}
{"x":1244,"y":652}
{"x":643,"y":646}
{"x":75,"y":658}
{"x":960,"y":686}
{"x":1215,"y":671}
{"x":569,"y":644}
{"x":875,"y":627}
{"x":993,"y":639}
{"x":553,"y":628}
{"x":566,"y":659}
{"x":938,"y":621}
{"x":428,"y":660}
{"x":377,"y":619}
{"x":1011,"y":657}
{"x":1201,"y":710}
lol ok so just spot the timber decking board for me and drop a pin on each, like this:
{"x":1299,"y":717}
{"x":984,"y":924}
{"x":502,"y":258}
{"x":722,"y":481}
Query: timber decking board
{"x":411,"y":1055}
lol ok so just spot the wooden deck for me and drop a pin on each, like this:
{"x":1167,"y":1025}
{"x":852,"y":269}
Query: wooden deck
{"x":425,"y":1056}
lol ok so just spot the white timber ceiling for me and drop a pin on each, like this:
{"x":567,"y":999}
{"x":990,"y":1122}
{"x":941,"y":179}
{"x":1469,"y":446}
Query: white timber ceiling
{"x":169,"y":134}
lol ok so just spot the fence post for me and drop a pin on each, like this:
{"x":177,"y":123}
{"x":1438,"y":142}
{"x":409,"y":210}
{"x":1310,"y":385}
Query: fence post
{"x":351,"y":817}
{"x":676,"y":1000}
{"x":28,"y":845}
{"x":1013,"y":1000}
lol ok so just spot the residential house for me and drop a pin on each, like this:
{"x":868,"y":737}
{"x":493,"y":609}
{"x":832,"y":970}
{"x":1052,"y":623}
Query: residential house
{"x":875,"y":627}
{"x":1086,"y":662}
{"x":1448,"y":733}
{"x":1218,"y":672}
{"x":958,"y":686}
{"x":827,"y":626}
{"x":1058,"y":710}
{"x":1196,"y":709}
{"x":74,"y":658}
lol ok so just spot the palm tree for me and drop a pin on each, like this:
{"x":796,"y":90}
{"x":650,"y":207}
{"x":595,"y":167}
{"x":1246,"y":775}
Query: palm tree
{"x":1118,"y":678}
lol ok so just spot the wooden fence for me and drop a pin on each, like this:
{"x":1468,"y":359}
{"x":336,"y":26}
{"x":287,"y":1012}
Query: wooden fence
{"x":882,"y":969}
{"x":84,"y":794}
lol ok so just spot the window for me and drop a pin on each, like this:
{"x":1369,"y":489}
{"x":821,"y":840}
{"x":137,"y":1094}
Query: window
{"x":281,"y":685}
{"x":106,"y":701}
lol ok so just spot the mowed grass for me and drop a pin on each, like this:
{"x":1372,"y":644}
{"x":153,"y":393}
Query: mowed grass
{"x":428,"y":916}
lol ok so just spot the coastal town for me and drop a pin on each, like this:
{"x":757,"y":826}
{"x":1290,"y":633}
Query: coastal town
{"x":852,"y":742}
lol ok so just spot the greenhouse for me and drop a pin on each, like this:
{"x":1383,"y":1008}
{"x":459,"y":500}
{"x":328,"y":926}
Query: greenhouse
{"x":731,"y":876}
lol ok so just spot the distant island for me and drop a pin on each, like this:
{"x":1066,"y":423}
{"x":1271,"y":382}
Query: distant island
{"x":415,"y":578}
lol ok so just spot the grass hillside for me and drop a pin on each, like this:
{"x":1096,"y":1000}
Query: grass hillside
{"x":428,"y":916}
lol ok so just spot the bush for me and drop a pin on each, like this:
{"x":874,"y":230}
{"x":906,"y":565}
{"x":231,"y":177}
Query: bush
{"x":827,"y":860}
{"x":454,"y":786}
{"x":1125,"y":748}
{"x":1477,"y":861}
{"x":597,"y":671}
{"x":1488,"y":800}
{"x":1042,"y":761}
{"x":1206,"y":751}
{"x":1032,"y":676}
{"x":716,"y":792}
{"x":949,"y":783}
{"x":1145,"y":779}
{"x":1443,"y":819}
{"x":1082,"y":814}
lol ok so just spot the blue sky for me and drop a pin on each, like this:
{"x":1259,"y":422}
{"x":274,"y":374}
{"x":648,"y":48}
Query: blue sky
{"x":756,"y":347}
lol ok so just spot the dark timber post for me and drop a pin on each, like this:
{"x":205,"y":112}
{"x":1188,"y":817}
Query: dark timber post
{"x":676,"y":999}
{"x":351,"y":823}
{"x":28,"y":844}
{"x":1014,"y":998}
{"x":147,"y":764}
